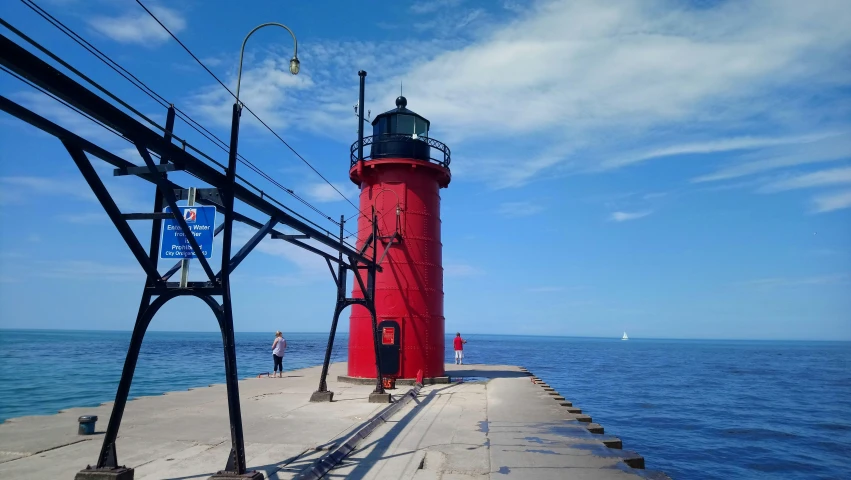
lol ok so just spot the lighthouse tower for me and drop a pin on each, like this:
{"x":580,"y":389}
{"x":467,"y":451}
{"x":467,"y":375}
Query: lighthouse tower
{"x":400,"y":180}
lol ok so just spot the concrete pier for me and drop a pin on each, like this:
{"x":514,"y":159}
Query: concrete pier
{"x":490,"y":422}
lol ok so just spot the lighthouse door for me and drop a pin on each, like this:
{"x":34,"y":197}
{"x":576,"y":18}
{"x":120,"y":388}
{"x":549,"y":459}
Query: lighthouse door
{"x":389,"y":347}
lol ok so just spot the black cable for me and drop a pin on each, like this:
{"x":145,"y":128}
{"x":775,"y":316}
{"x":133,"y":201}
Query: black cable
{"x":243,"y":104}
{"x":118,"y":134}
{"x":156,"y":97}
{"x":73,"y":108}
{"x":63,"y":102}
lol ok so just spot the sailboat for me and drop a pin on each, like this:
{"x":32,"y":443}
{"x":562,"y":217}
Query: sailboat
{"x":624,"y":336}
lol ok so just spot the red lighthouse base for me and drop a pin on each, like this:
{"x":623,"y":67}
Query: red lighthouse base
{"x":409,"y":289}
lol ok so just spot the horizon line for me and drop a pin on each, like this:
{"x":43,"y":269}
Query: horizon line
{"x":447,"y":334}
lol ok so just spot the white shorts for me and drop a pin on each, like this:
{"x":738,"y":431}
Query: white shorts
{"x":459,"y":354}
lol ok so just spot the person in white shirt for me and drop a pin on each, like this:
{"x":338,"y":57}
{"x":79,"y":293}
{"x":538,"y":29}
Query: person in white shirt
{"x":278,"y":347}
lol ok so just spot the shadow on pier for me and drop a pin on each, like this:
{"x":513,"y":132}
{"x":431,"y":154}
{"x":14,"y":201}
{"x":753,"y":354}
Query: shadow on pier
{"x":472,"y":372}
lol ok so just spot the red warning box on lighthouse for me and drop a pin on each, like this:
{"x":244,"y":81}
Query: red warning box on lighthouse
{"x":388,"y":335}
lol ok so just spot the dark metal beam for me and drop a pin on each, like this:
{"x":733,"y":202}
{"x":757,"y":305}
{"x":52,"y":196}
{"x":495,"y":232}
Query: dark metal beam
{"x":387,"y":248}
{"x":65,"y":135}
{"x":287,"y":238}
{"x":100,"y":191}
{"x":281,"y":236}
{"x":147,"y":216}
{"x":143,"y":171}
{"x":250,"y":244}
{"x":24,"y":63}
{"x":168,"y":196}
{"x":333,"y":273}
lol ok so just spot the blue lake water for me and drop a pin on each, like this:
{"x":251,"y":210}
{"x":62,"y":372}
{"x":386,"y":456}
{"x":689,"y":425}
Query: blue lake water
{"x":693,"y":409}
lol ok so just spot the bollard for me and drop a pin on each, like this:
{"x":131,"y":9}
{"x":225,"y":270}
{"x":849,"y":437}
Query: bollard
{"x":87,"y":424}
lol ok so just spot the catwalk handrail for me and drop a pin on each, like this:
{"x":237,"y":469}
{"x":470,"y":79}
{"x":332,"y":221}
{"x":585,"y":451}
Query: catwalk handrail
{"x":399,"y":137}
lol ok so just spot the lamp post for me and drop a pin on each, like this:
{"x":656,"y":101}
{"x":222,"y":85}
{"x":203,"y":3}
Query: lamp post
{"x":295,"y":65}
{"x":236,"y":461}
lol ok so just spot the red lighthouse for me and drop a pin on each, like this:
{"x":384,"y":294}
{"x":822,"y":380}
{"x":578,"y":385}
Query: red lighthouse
{"x":400,"y":180}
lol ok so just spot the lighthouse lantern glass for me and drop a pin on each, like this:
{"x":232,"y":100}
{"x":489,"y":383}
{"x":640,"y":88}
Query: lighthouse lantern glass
{"x":404,"y":124}
{"x":421,"y":128}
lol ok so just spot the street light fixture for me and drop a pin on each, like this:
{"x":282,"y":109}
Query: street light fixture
{"x":295,"y":65}
{"x":227,"y":193}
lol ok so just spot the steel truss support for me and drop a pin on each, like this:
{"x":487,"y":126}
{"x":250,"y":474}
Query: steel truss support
{"x":322,"y":394}
{"x":155,"y":286}
{"x":223,"y":195}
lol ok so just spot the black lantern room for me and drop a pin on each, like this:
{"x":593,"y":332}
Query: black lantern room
{"x":400,"y":133}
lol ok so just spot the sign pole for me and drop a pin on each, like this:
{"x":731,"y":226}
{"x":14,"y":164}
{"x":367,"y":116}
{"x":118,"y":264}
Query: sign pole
{"x":184,"y":267}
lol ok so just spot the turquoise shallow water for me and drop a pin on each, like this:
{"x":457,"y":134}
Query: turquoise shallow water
{"x":693,"y":409}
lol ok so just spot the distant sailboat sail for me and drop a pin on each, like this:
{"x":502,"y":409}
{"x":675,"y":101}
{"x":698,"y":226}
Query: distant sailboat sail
{"x":624,"y":336}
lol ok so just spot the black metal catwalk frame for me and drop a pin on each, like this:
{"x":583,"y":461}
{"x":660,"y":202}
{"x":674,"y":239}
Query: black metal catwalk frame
{"x":368,"y":299}
{"x":223,"y":195}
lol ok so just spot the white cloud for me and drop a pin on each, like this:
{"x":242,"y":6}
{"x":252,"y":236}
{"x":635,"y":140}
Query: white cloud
{"x":776,"y":282}
{"x":266,"y":89}
{"x":309,"y":267}
{"x":67,"y":118}
{"x":588,"y":70}
{"x":21,"y":189}
{"x":835,"y":176}
{"x":460,"y":270}
{"x":431,"y":6}
{"x":549,"y":289}
{"x":38,"y":186}
{"x":714,"y":146}
{"x":138,"y":27}
{"x":87,"y":270}
{"x":832,"y":201}
{"x":324,"y":192}
{"x":625,"y":216}
{"x":85,"y":218}
{"x":827,"y":149}
{"x":567,"y":86}
{"x":513,"y":6}
{"x":519,"y":209}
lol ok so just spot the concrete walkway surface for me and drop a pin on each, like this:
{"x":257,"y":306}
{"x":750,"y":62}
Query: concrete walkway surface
{"x":494,"y":423}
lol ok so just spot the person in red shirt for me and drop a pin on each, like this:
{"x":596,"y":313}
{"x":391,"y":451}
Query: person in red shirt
{"x":459,"y":349}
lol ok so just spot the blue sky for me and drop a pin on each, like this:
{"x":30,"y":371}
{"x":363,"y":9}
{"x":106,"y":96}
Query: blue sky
{"x":668,"y":168}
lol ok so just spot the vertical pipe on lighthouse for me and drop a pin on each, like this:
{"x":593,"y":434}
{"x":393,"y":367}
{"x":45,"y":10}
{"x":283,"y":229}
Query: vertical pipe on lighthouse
{"x":401,"y":179}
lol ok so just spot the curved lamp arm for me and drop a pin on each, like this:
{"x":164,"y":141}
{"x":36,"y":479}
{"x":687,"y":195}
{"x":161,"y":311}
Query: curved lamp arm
{"x":294,"y":63}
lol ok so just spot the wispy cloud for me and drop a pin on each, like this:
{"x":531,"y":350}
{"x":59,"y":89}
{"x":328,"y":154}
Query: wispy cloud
{"x":714,"y":146}
{"x":832,"y":201}
{"x":324,"y":192}
{"x":777,"y":282}
{"x":85,"y":218}
{"x":460,"y":270}
{"x":138,"y":27}
{"x":835,"y":176}
{"x":685,"y":80}
{"x":651,"y":196}
{"x":549,"y":289}
{"x":31,"y":185}
{"x":305,"y":267}
{"x":519,"y":209}
{"x":88,"y":270}
{"x":67,"y":118}
{"x":433,"y":5}
{"x":827,"y":149}
{"x":625,"y":216}
{"x":513,"y":6}
{"x":21,"y":189}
